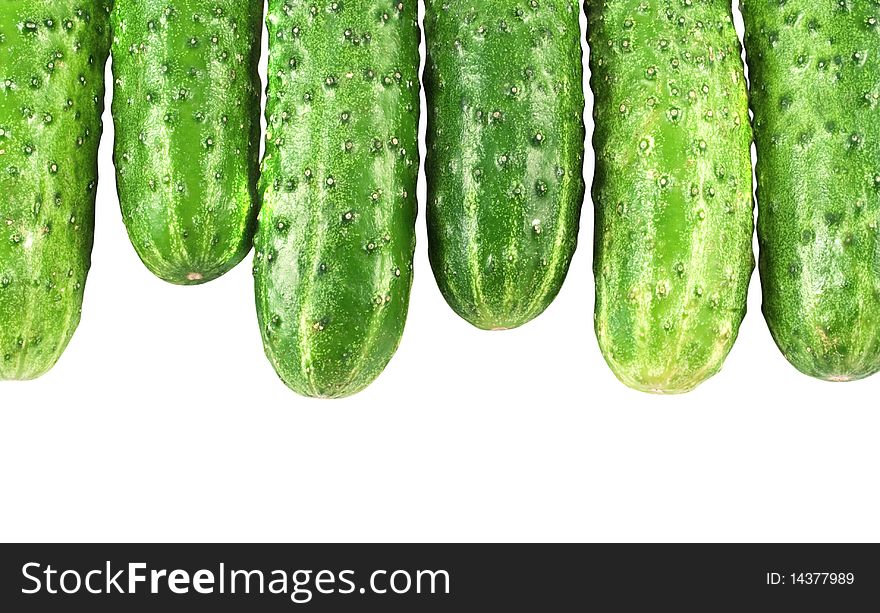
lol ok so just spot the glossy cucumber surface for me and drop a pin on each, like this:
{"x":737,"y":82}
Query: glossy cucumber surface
{"x":815,"y":93}
{"x":52,"y":58}
{"x":186,"y":107}
{"x":336,"y":236}
{"x":672,"y":189}
{"x":504,"y":84}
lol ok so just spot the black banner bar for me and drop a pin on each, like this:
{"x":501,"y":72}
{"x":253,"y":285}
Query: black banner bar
{"x":425,"y":578}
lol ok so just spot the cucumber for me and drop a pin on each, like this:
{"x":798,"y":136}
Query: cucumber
{"x":815,"y":93}
{"x":336,"y":235}
{"x":186,"y":107}
{"x":504,"y":84}
{"x":672,"y":188}
{"x":52,"y":58}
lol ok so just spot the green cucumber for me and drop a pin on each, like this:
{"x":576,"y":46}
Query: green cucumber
{"x":815,"y":92}
{"x":336,"y":233}
{"x":186,"y":107}
{"x":672,"y":189}
{"x":52,"y":58}
{"x":504,"y":83}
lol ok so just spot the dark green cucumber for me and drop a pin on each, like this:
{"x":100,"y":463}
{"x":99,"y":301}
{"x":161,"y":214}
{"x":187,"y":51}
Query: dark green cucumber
{"x":336,"y":235}
{"x":672,"y":190}
{"x":186,"y":106}
{"x":504,"y":82}
{"x":815,"y":91}
{"x":52,"y":57}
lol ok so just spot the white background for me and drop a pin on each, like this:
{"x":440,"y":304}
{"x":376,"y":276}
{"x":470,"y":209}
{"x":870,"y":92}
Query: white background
{"x":164,"y":422}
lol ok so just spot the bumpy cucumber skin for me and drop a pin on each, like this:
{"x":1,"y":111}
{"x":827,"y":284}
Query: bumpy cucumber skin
{"x":815,"y":92}
{"x":336,"y":233}
{"x":672,"y":190}
{"x":186,"y":107}
{"x":52,"y":58}
{"x":504,"y":82}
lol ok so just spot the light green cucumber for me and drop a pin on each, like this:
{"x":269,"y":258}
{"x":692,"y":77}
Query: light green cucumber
{"x":186,"y":107}
{"x":52,"y":58}
{"x":504,"y":83}
{"x":815,"y":91}
{"x":672,"y":189}
{"x":336,"y":236}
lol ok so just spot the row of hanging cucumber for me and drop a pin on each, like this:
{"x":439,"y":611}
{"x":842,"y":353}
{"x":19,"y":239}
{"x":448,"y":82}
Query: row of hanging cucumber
{"x":331,"y":207}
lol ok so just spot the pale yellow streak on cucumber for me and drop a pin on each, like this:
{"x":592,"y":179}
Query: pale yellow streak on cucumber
{"x":173,"y":218}
{"x":644,"y":292}
{"x":213,"y":194}
{"x":166,"y":137}
{"x":30,"y":311}
{"x":696,"y":261}
{"x":314,"y":237}
{"x":470,"y":150}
